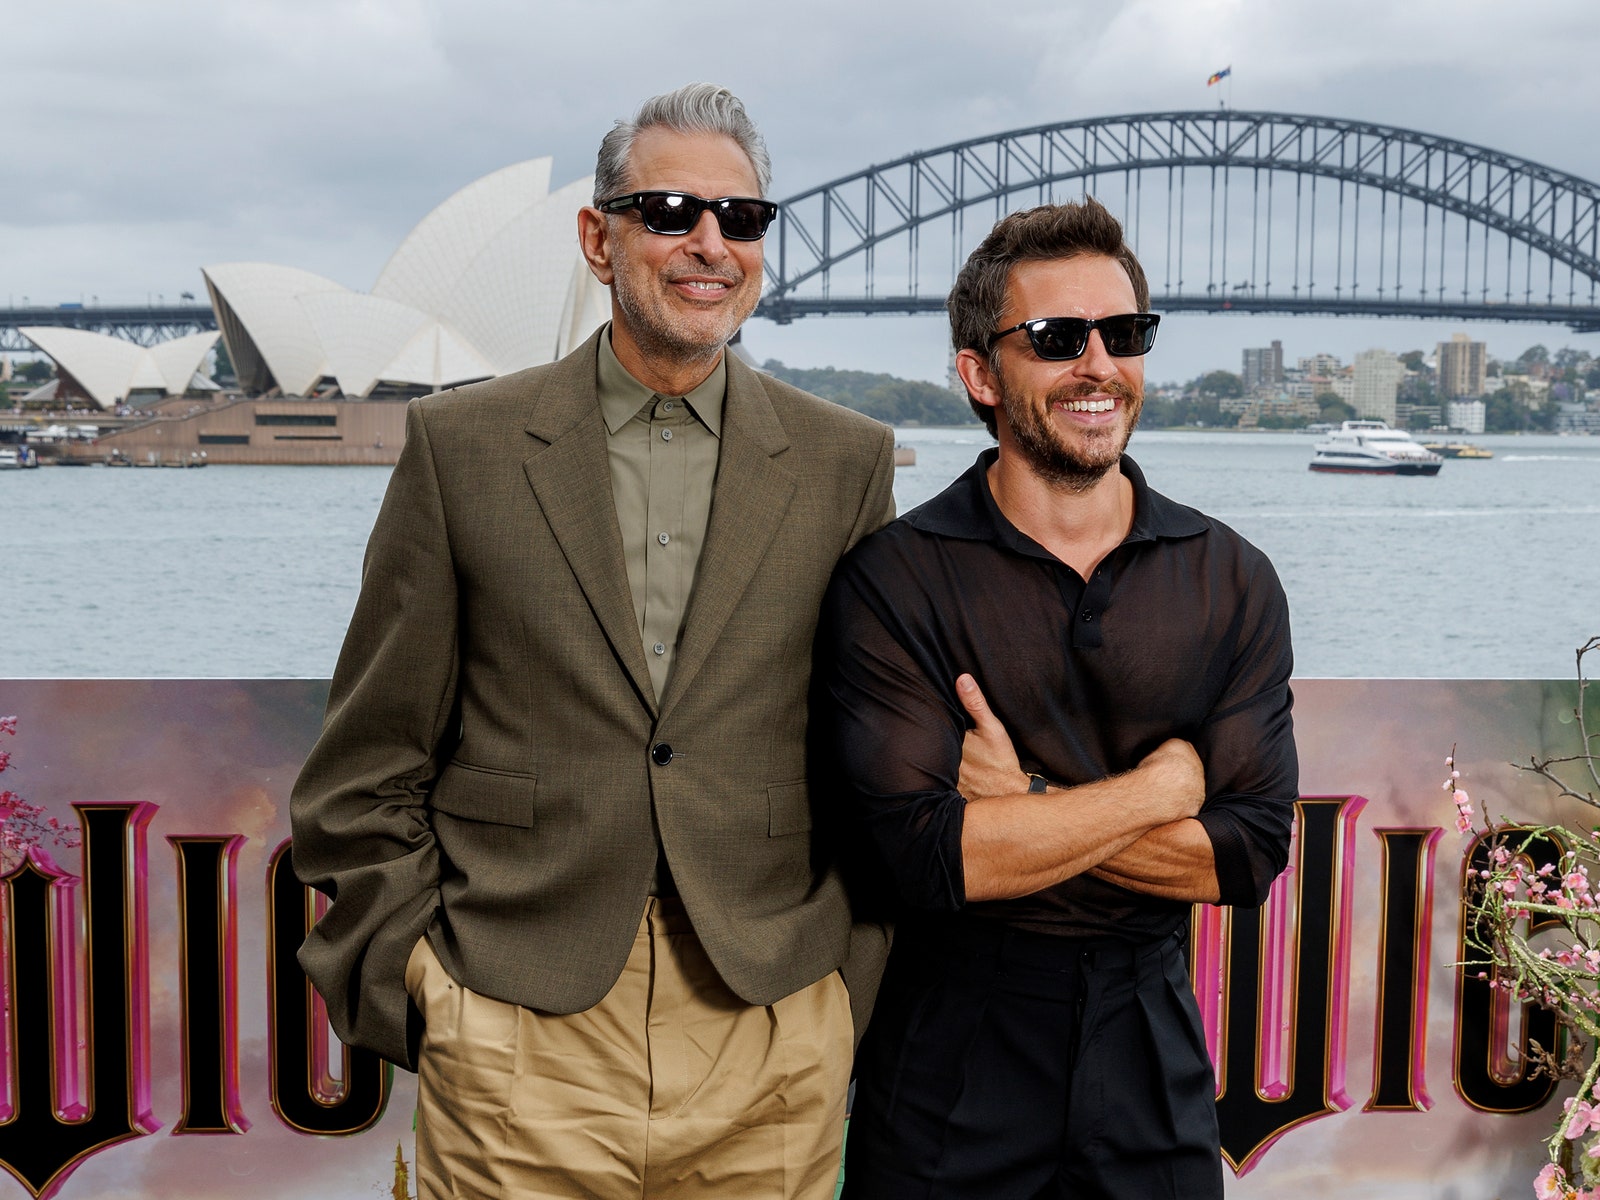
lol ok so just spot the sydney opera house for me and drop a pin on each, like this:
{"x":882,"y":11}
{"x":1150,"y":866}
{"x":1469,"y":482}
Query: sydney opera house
{"x":490,"y":281}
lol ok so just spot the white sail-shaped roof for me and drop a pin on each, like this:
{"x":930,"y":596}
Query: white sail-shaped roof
{"x":587,"y":308}
{"x":429,"y":262}
{"x":371,"y":340}
{"x":264,"y":299}
{"x":178,"y":360}
{"x":508,"y":301}
{"x":490,"y":281}
{"x":108,"y":368}
{"x":360,"y":334}
{"x":436,"y":357}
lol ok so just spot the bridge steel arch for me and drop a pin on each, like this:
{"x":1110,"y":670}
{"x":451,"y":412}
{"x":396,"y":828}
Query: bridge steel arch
{"x":1460,"y":230}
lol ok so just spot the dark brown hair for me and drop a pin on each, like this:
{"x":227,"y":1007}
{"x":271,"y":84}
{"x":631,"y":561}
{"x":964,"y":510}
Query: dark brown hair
{"x":1050,"y":231}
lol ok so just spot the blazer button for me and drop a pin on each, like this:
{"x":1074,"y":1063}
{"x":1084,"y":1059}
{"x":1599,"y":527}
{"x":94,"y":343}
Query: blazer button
{"x":661,"y":754}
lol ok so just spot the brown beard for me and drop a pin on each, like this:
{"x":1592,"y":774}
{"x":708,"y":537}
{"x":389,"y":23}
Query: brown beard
{"x":1048,"y":456}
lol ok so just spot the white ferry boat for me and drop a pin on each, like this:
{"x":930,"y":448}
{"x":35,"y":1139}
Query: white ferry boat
{"x":17,"y":458}
{"x":1372,"y":448}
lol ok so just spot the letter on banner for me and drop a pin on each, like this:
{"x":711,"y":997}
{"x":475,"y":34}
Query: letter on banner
{"x":1399,"y":1044}
{"x":305,"y":1094}
{"x":64,"y":1105}
{"x":208,"y":953}
{"x":1489,"y":1075}
{"x":1261,"y":1094}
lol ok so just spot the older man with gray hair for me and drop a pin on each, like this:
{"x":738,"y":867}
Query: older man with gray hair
{"x":560,"y":801}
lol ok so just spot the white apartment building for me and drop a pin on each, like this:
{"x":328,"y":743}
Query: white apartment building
{"x":1466,"y":415}
{"x":1375,"y":381}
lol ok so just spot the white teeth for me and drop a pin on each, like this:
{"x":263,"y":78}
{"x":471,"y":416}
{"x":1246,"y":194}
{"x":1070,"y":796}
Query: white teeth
{"x":705,"y":287}
{"x":1089,"y":406}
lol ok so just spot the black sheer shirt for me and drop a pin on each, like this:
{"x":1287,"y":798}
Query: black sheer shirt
{"x":1181,"y":631}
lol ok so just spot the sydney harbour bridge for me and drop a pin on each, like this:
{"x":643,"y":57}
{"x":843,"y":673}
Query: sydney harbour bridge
{"x":1251,"y":212}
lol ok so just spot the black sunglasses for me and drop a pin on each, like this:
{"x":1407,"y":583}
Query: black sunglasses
{"x":741,"y":218}
{"x":1057,"y":339}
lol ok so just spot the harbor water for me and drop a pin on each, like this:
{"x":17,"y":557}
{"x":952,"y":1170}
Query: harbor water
{"x":1488,"y":570}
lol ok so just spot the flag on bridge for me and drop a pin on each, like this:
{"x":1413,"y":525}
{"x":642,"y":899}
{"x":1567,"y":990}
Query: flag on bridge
{"x":1220,"y":76}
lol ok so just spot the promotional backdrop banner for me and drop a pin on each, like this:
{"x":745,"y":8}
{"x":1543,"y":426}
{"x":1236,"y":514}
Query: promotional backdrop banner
{"x":160,"y":1041}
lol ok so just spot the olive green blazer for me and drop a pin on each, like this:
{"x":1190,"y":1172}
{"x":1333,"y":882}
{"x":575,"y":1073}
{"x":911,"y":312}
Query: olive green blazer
{"x":487,"y":770}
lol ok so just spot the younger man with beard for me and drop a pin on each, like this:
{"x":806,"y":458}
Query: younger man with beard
{"x":1036,"y":1034}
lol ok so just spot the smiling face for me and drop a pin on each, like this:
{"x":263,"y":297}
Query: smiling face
{"x":1068,"y":421}
{"x":676,"y":300}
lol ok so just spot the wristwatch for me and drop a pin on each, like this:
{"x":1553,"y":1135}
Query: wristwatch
{"x":1036,"y":783}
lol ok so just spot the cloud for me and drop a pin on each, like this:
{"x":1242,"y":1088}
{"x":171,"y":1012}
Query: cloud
{"x":174,"y":133}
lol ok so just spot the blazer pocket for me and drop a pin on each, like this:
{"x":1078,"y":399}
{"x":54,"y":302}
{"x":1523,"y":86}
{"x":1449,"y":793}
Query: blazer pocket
{"x":788,"y":808}
{"x":485,"y":794}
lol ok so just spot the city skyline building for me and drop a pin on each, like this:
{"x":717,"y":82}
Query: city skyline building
{"x":1263,"y":366}
{"x":1467,"y":415}
{"x":1375,"y":382}
{"x":1462,"y":365}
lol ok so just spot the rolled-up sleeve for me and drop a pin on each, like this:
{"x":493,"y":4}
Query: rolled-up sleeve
{"x":1247,"y":745}
{"x":894,"y":736}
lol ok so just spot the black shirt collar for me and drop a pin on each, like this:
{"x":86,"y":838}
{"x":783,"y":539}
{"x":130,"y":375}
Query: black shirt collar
{"x":967,"y":509}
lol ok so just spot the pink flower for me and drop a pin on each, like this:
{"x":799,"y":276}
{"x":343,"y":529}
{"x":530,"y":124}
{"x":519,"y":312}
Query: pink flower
{"x":1463,"y":823}
{"x":1550,"y":1183}
{"x":8,"y":725}
{"x":1582,"y":1118}
{"x":1577,"y":880}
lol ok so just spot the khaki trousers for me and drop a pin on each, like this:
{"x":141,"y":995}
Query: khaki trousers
{"x":670,"y":1088}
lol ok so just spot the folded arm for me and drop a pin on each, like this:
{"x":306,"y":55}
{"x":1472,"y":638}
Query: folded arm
{"x":1230,"y":851}
{"x":1134,"y":829}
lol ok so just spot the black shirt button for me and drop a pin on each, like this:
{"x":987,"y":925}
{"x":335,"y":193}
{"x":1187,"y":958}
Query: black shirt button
{"x":1088,"y":614}
{"x":661,"y":754}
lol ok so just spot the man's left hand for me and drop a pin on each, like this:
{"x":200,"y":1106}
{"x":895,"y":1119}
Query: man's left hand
{"x":989,"y":765}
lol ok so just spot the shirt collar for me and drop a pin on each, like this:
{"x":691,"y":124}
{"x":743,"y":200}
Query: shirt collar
{"x":967,"y":509}
{"x":622,"y":396}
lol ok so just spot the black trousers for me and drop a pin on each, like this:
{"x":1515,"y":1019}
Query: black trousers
{"x":1007,"y":1065}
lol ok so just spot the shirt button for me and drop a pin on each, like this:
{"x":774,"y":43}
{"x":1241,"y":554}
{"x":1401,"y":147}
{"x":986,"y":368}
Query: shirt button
{"x":1088,"y":614}
{"x":661,"y":754}
{"x":667,"y":407}
{"x":659,"y":648}
{"x":663,"y":538}
{"x":666,"y":435}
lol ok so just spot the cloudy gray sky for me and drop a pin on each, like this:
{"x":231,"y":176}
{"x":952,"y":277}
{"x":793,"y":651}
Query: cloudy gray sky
{"x":148,"y":139}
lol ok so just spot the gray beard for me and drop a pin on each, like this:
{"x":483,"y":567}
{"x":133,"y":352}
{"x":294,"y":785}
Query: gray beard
{"x":659,"y":339}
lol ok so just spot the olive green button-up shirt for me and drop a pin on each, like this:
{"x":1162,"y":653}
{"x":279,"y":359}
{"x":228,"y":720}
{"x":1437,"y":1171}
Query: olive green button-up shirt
{"x":663,"y":454}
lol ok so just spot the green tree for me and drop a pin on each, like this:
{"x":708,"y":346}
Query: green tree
{"x":223,"y":364}
{"x":1503,"y":413}
{"x":1334,"y":409}
{"x":1223,"y":385}
{"x":887,"y":398}
{"x":1413,"y":360}
{"x":35,"y":370}
{"x":1534,"y":354}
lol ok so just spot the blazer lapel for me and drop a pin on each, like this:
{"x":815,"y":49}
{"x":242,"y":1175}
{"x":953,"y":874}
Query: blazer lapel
{"x":571,"y":476}
{"x":752,"y":495}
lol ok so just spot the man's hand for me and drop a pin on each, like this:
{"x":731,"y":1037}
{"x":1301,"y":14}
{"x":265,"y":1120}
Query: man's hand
{"x":1177,"y":778}
{"x":989,"y":765}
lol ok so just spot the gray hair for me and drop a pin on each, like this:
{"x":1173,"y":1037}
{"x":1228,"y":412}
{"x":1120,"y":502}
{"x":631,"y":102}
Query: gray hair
{"x":693,"y":108}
